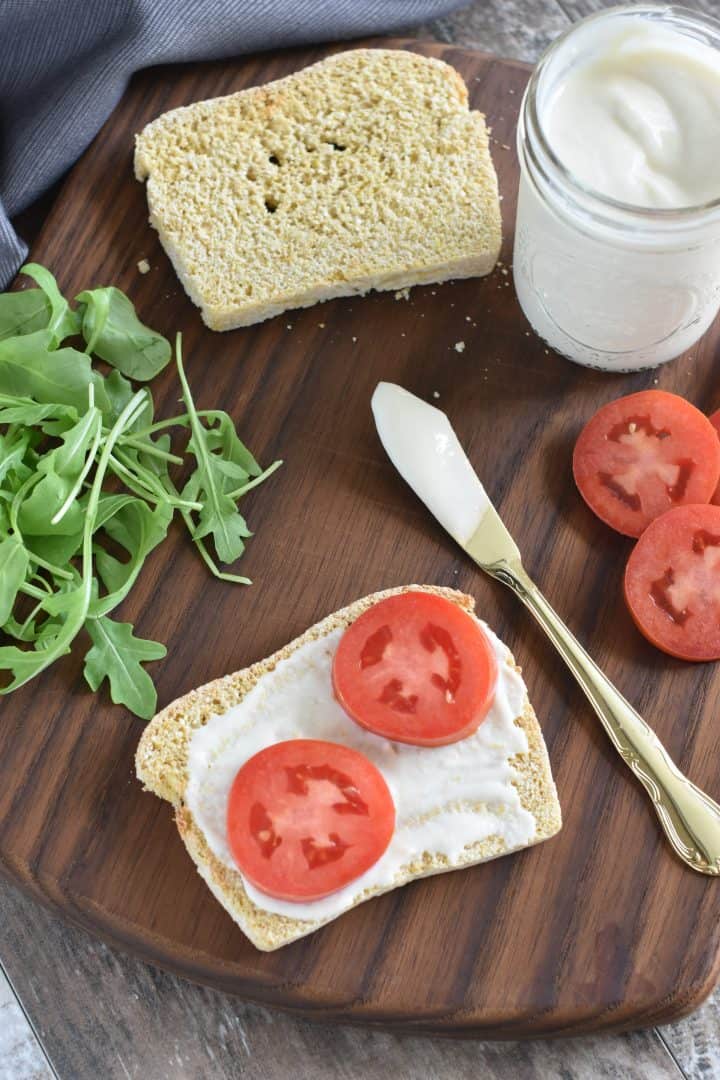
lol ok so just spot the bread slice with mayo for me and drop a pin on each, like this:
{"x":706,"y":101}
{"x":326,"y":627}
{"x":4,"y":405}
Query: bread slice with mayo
{"x":364,"y":171}
{"x":484,"y":796}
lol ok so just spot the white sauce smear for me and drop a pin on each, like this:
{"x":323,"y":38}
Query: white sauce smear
{"x":639,"y":121}
{"x":422,"y":445}
{"x":296,"y":701}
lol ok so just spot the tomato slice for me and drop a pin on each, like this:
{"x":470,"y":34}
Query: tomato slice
{"x":714,"y":419}
{"x":672,"y":582}
{"x":644,"y":454}
{"x":416,"y":668}
{"x":306,"y":817}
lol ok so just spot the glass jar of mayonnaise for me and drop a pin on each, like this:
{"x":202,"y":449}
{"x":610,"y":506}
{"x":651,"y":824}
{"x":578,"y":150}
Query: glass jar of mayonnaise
{"x":617,"y":241}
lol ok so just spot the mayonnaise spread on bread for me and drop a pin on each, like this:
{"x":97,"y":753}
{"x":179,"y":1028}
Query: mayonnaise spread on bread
{"x":445,"y":797}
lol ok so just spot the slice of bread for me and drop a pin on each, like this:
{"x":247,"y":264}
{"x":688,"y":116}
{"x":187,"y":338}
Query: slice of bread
{"x":364,"y":171}
{"x":161,"y":765}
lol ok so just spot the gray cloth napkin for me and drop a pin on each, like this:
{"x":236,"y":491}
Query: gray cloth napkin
{"x":65,"y":63}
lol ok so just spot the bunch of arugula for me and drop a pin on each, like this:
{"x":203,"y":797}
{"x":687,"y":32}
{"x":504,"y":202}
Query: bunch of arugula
{"x":85,"y":470}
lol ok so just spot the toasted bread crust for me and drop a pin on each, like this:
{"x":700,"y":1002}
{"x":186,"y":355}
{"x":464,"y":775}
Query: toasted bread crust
{"x":161,"y":764}
{"x":364,"y":171}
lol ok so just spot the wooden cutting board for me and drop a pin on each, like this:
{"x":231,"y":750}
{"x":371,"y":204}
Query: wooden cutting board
{"x":600,"y":927}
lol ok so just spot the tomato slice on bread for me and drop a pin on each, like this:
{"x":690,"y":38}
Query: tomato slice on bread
{"x":672,"y":582}
{"x":306,"y":817}
{"x":645,"y":454}
{"x":416,"y":668}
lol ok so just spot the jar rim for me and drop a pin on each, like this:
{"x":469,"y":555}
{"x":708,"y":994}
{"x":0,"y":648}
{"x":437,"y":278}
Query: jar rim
{"x":680,"y":16}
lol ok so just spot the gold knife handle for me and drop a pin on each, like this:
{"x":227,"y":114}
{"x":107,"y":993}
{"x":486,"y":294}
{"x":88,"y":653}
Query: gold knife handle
{"x":689,"y":817}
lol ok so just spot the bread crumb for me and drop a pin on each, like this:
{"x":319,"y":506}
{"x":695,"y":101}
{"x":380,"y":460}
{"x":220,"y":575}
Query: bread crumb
{"x":436,"y":393}
{"x":504,"y":271}
{"x":144,"y":266}
{"x":354,"y":339}
{"x":402,"y":294}
{"x":289,"y":326}
{"x":467,"y":318}
{"x":459,"y":346}
{"x":655,"y":382}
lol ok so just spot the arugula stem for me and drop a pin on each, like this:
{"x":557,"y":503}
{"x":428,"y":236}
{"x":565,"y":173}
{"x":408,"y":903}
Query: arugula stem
{"x":176,"y":421}
{"x":150,"y":449}
{"x":153,"y":487}
{"x":22,"y":631}
{"x":132,"y":482}
{"x":56,"y":570}
{"x":18,"y":499}
{"x":32,"y":590}
{"x":257,"y":480}
{"x":89,"y":462}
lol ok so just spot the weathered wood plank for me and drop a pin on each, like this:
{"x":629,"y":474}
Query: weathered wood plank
{"x":21,"y":1057}
{"x":695,"y":1041}
{"x":578,"y":9}
{"x":519,"y":29}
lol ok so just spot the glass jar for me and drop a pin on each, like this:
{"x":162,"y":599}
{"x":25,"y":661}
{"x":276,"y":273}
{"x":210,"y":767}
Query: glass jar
{"x":605,"y":283}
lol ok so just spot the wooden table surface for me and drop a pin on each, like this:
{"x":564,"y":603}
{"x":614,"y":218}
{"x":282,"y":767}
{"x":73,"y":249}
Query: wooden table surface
{"x":80,"y":1010}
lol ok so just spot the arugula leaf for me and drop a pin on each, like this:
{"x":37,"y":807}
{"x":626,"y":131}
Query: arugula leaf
{"x":118,"y":655}
{"x":222,"y":436}
{"x":60,"y":471}
{"x":72,"y":605}
{"x":63,"y":321}
{"x":14,"y":563}
{"x":23,"y":312}
{"x":63,"y":428}
{"x":219,"y":516}
{"x":23,"y":410}
{"x":119,"y":391}
{"x":30,"y":367}
{"x":112,"y":329}
{"x":59,"y":550}
{"x":137,"y":529}
{"x":13,"y":449}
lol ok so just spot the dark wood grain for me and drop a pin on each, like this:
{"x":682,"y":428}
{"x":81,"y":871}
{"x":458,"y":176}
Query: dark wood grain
{"x":601,"y":927}
{"x":106,"y":1016}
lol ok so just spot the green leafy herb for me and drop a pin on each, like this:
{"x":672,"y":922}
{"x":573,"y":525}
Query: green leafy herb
{"x":14,"y":562}
{"x":62,"y":321}
{"x":118,"y":655}
{"x":87,"y":490}
{"x":23,"y":313}
{"x":113,"y":332}
{"x":219,"y":515}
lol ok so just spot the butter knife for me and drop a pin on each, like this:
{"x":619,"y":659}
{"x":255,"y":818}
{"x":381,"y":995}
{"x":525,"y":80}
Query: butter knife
{"x":424,"y":448}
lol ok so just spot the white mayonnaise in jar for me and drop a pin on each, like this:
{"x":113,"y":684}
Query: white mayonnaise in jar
{"x":617,"y":240}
